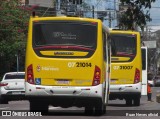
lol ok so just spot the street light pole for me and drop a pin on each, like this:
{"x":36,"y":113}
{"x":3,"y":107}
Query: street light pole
{"x":92,"y":11}
{"x":17,"y":62}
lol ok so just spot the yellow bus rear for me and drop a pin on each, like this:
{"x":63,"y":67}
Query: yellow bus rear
{"x":67,"y":63}
{"x":126,"y":66}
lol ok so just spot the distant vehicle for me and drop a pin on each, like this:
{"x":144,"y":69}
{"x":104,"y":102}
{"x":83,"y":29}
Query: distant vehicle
{"x":12,"y":87}
{"x":144,"y":70}
{"x":126,"y":66}
{"x":157,"y":81}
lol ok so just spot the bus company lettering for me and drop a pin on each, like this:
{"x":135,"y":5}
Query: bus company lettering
{"x":63,"y":53}
{"x":49,"y":68}
{"x":64,"y":35}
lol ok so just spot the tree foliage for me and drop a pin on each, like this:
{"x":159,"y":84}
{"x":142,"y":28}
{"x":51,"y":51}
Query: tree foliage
{"x":137,"y":13}
{"x":13,"y":29}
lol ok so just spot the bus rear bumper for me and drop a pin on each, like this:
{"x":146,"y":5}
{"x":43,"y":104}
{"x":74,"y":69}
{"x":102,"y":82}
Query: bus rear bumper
{"x":126,"y":88}
{"x":65,"y":91}
{"x":124,"y":91}
{"x":64,"y":96}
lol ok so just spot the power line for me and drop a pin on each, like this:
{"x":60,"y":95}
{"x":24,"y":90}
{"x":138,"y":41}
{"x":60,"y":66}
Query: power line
{"x":98,"y":2}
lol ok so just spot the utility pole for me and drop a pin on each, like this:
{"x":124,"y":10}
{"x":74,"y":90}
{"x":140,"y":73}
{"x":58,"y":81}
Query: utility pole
{"x":110,"y":19}
{"x":114,"y":8}
{"x":17,"y":56}
{"x":92,"y":11}
{"x":58,"y":11}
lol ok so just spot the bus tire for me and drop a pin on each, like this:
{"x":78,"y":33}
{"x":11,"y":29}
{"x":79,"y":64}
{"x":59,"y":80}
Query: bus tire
{"x":99,"y":108}
{"x":136,"y":101}
{"x":89,"y":110}
{"x":129,"y":102}
{"x":38,"y":106}
{"x":104,"y":108}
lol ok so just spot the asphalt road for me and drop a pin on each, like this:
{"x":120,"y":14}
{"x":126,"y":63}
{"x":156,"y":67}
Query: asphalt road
{"x":115,"y":110}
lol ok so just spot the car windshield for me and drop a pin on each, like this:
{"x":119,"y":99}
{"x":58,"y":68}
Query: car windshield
{"x":14,"y":76}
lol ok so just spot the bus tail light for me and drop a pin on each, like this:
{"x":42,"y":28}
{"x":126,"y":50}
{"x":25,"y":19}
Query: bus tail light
{"x":137,"y":76}
{"x":97,"y":76}
{"x":30,"y":76}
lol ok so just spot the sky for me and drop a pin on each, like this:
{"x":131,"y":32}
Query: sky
{"x":154,"y":12}
{"x":155,"y":15}
{"x":154,"y":25}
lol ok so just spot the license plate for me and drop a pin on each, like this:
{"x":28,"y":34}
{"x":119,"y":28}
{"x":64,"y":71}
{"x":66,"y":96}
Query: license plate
{"x":16,"y":93}
{"x":60,"y":82}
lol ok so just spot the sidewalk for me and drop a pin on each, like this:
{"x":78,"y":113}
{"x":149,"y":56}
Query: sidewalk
{"x":158,"y":98}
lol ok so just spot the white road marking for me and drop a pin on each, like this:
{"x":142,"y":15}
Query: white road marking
{"x":54,"y":107}
{"x":4,"y":108}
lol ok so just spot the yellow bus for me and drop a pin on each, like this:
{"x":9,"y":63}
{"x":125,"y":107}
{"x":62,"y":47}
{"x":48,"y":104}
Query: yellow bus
{"x":67,"y":63}
{"x":126,"y":66}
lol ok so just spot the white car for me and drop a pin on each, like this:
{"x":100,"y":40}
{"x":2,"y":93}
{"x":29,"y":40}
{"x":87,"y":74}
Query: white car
{"x":12,"y":87}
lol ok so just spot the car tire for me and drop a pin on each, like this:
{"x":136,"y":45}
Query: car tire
{"x":3,"y":100}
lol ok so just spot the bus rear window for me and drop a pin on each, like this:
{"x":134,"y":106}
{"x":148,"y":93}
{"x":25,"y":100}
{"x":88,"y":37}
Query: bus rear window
{"x":62,"y":35}
{"x":123,"y":45}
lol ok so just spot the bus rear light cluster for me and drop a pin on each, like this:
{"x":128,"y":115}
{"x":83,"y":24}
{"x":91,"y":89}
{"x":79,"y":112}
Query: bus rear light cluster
{"x":137,"y":76}
{"x":30,"y":76}
{"x":97,"y":76}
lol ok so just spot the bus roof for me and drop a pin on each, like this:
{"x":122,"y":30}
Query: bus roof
{"x":124,"y":31}
{"x":65,"y":18}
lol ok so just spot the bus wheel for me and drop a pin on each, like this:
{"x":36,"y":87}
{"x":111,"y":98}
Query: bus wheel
{"x":129,"y":102}
{"x":104,"y":108}
{"x":137,"y":101}
{"x":89,"y":110}
{"x":37,"y":106}
{"x":99,"y":108}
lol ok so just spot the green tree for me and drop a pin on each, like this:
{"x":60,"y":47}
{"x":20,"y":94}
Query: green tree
{"x":13,"y":29}
{"x":137,"y":13}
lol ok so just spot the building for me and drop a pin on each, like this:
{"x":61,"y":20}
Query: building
{"x":102,"y":9}
{"x":43,"y":3}
{"x":43,"y":7}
